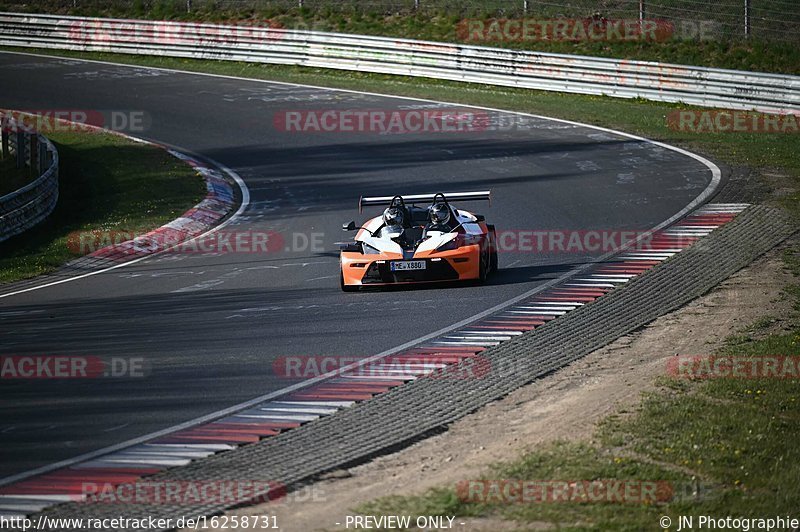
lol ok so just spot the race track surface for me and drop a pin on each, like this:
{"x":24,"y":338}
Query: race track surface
{"x":210,"y":326}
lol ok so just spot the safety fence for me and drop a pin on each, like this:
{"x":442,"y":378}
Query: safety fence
{"x":706,"y":87}
{"x":31,"y":204}
{"x":765,"y":20}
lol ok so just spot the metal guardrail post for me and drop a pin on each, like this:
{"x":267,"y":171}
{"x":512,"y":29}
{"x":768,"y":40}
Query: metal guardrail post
{"x":33,"y":151}
{"x":42,"y":156}
{"x":4,"y":125}
{"x":747,"y":12}
{"x":19,"y":149}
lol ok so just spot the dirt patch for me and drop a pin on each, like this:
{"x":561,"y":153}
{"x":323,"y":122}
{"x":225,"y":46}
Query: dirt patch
{"x":564,"y":406}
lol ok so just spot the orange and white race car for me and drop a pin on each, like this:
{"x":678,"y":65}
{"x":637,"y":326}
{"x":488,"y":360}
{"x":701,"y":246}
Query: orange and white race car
{"x":412,"y":244}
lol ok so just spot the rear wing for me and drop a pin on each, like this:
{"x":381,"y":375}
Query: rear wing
{"x":484,"y":195}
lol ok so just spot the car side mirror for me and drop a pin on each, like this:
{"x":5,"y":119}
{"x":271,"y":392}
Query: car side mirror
{"x":351,"y":226}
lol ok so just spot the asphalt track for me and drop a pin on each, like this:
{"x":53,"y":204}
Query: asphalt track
{"x":211,"y":325}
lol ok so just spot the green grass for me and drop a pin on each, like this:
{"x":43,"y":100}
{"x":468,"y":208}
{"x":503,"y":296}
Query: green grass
{"x":558,"y":462}
{"x":11,"y":177}
{"x":773,"y":47}
{"x":733,"y":438}
{"x":773,"y":156}
{"x":106,"y":183}
{"x":726,"y":445}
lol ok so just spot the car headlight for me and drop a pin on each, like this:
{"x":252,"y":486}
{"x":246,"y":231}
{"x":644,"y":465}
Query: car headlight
{"x":369,"y":250}
{"x":458,"y":241}
{"x":449,"y":245}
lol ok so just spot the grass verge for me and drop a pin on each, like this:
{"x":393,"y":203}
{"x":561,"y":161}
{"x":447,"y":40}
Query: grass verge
{"x":106,"y":182}
{"x":724,"y":445}
{"x":729,"y":438}
{"x":772,"y":156}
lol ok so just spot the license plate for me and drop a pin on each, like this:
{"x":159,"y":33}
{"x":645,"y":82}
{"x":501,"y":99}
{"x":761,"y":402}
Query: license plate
{"x":408,"y":265}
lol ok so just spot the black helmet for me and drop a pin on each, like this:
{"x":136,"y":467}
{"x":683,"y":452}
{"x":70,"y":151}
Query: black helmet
{"x":393,"y":216}
{"x":439,"y":213}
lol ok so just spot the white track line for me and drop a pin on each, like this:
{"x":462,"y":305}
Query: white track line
{"x":233,"y":175}
{"x":716,"y":177}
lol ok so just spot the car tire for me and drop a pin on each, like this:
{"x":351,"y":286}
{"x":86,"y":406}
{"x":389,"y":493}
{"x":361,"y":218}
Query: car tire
{"x":493,"y":260}
{"x":483,"y":268}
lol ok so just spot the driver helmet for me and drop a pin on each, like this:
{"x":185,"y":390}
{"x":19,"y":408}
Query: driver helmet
{"x":440,"y":213}
{"x":393,"y":216}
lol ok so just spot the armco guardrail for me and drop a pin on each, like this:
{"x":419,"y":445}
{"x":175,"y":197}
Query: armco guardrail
{"x":28,"y":206}
{"x":708,"y":87}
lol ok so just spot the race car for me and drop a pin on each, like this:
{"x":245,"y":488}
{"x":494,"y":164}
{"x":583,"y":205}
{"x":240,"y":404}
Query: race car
{"x":411,"y":244}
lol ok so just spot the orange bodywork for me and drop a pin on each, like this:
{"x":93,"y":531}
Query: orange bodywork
{"x":465,"y":261}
